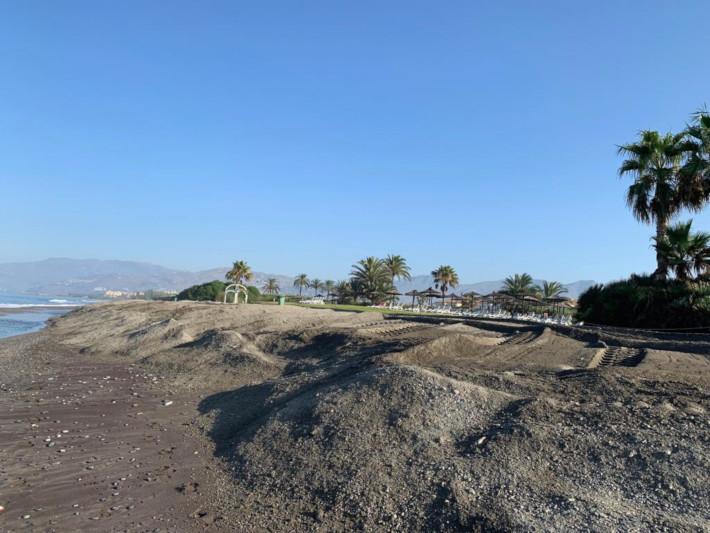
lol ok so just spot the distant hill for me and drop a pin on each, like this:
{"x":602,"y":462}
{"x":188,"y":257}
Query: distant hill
{"x":61,"y":276}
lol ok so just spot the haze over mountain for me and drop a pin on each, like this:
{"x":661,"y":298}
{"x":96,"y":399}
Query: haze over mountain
{"x":62,"y":276}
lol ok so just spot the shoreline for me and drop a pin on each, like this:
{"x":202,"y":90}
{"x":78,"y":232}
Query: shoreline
{"x":31,"y":308}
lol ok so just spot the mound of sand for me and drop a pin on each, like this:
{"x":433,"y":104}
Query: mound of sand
{"x":466,"y":427}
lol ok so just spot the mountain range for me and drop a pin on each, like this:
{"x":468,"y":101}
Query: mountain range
{"x":63,"y":276}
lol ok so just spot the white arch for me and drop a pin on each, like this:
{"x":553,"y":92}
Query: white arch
{"x":236,"y":289}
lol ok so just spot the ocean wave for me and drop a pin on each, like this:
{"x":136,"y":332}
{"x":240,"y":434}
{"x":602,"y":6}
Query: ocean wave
{"x":59,"y":301}
{"x":22,"y":306}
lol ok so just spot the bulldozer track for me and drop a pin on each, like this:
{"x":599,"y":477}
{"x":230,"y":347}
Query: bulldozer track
{"x":622,"y":356}
{"x":522,"y":338}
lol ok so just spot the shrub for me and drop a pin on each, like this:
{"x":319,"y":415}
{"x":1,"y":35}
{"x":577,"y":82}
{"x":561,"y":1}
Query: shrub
{"x":640,"y":301}
{"x":205,"y":292}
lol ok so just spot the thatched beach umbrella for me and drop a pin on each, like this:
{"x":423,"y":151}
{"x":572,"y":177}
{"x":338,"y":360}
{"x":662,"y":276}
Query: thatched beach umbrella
{"x":556,"y":301}
{"x":530,"y":299}
{"x":470,"y":297}
{"x":412,"y":294}
{"x":497,"y":298}
{"x":430,"y":293}
{"x":393,"y":292}
{"x":567,"y":304}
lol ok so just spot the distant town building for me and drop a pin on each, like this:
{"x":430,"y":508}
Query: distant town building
{"x":116,"y":294}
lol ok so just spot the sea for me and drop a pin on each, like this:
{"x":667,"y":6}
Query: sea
{"x":29,"y":312}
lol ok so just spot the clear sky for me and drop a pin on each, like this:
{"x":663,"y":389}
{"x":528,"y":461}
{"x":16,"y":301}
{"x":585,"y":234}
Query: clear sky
{"x":303,"y":136}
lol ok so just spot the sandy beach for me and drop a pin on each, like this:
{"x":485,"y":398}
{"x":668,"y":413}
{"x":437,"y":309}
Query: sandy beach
{"x":178,"y":416}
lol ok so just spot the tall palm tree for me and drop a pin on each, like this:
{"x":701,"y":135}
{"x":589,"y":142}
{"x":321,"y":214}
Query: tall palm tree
{"x":316,"y":284}
{"x":694,"y":185}
{"x":329,"y":286}
{"x":372,"y":275}
{"x":685,"y":252}
{"x":343,"y":290}
{"x":301,"y":281}
{"x":655,"y":163}
{"x":271,"y":286}
{"x":239,"y":272}
{"x":551,"y":289}
{"x":445,"y":276}
{"x":518,"y":284}
{"x":397,"y":267}
{"x":357,"y":288}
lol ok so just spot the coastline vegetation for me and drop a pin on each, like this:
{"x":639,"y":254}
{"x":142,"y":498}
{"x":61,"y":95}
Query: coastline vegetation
{"x":671,"y":174}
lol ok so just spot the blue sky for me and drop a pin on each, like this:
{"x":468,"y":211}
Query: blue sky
{"x":303,"y":136}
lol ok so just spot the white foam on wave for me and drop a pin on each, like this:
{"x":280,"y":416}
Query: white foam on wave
{"x":21,"y":306}
{"x":59,"y":301}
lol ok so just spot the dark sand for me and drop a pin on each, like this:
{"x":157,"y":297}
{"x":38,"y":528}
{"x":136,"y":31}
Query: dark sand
{"x":90,"y":446}
{"x":315,"y":420}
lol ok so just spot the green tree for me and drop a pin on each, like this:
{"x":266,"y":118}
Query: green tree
{"x":518,"y":284}
{"x":254,"y":294}
{"x":694,"y":185}
{"x":397,"y":267}
{"x":316,"y":284}
{"x":551,"y":289}
{"x":684,"y":252}
{"x":300,"y":282}
{"x":372,"y":276}
{"x":240,"y":272}
{"x":357,"y":288}
{"x":655,"y":163}
{"x":329,"y":287}
{"x":271,"y":286}
{"x":444,"y":277}
{"x":344,"y":291}
{"x":204,"y":292}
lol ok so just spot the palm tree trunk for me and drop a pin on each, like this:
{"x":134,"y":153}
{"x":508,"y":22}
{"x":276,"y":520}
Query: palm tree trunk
{"x":661,"y":272}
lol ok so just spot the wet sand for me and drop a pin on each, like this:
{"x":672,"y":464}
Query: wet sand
{"x":93,"y":447}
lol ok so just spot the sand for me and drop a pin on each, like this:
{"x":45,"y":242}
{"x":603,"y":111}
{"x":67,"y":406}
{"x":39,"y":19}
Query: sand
{"x":295,"y":419}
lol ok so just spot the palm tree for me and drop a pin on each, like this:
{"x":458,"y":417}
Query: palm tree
{"x":357,"y":288}
{"x":655,"y":163}
{"x":694,"y":185}
{"x":518,"y":284}
{"x":271,"y":286}
{"x":316,"y":284}
{"x":301,"y":281}
{"x":240,"y":271}
{"x":684,"y":252}
{"x":343,"y":290}
{"x":397,"y":267}
{"x":445,"y":276}
{"x":551,"y":289}
{"x":373,"y":276}
{"x":329,"y":286}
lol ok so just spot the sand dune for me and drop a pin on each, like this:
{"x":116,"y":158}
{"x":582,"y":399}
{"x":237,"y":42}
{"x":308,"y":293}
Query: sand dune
{"x":318,"y":420}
